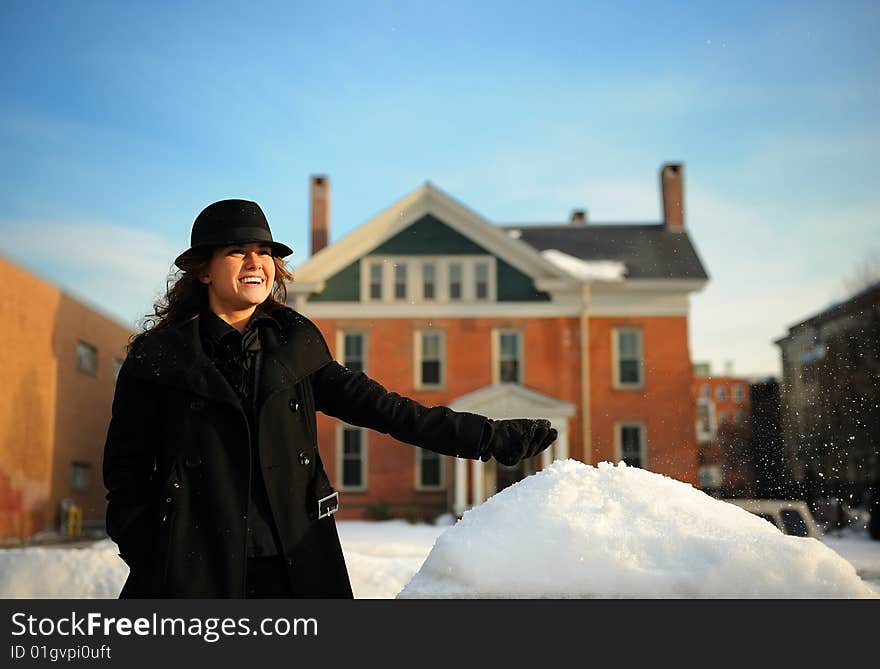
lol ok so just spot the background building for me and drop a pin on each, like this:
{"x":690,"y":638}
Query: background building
{"x":59,"y":360}
{"x":723,"y":429}
{"x":831,"y":399}
{"x":584,"y":324}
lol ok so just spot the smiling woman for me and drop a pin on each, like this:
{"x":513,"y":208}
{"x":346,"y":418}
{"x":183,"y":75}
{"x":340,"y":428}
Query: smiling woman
{"x":214,"y":477}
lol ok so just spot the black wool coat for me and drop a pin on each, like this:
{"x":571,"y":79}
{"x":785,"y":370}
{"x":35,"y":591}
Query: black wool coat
{"x":177,"y":458}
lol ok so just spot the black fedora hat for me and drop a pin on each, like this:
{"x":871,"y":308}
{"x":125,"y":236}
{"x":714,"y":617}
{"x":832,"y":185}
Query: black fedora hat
{"x":231,"y":222}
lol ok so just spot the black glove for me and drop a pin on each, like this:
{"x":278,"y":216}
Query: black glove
{"x":510,"y":441}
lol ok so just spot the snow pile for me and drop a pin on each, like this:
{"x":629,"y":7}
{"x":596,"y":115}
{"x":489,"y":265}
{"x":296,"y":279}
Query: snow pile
{"x":586,"y":270}
{"x":92,"y":572}
{"x":573,"y":530}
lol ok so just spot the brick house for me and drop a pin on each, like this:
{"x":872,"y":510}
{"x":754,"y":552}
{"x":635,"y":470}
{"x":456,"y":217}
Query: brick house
{"x":59,"y":361}
{"x":579,"y":323}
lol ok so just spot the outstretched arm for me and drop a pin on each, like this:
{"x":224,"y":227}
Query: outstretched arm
{"x":357,"y":399}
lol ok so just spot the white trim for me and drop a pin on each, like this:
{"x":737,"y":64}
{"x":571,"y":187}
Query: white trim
{"x":615,"y":358}
{"x":340,"y":345}
{"x":496,"y":354}
{"x":618,"y":441}
{"x":417,"y":359}
{"x":427,"y":199}
{"x":340,"y":429}
{"x":419,"y":455}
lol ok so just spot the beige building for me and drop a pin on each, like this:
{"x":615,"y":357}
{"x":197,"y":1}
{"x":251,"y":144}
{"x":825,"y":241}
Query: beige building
{"x":59,"y":360}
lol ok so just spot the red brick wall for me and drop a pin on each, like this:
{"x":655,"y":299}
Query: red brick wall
{"x":664,"y":403}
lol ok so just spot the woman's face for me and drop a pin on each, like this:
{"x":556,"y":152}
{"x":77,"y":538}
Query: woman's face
{"x":239,"y":277}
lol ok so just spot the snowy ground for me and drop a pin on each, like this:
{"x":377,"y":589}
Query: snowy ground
{"x":382,"y":557}
{"x":570,"y":531}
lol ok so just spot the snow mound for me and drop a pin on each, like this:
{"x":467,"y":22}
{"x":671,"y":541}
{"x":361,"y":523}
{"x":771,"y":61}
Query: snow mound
{"x":574,"y":530}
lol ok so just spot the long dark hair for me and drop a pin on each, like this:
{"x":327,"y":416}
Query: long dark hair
{"x":186,"y":296}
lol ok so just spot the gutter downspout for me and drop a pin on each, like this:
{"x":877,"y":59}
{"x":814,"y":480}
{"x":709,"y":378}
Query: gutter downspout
{"x":586,"y":427}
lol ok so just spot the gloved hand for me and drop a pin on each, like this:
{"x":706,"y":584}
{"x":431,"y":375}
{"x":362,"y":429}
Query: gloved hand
{"x":510,"y":441}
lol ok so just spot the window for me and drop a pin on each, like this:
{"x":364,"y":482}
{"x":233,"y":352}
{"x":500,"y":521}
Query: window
{"x":86,"y":358}
{"x":352,"y":460}
{"x":481,"y":270}
{"x":399,"y":281}
{"x":430,"y":469}
{"x":455,"y":273}
{"x":704,"y":421}
{"x":509,"y":357}
{"x":721,"y":393}
{"x":739,"y":415}
{"x":80,"y":477}
{"x":705,"y":391}
{"x":354,"y":351}
{"x":722,"y":417}
{"x":631,"y":444}
{"x":429,"y":281}
{"x":739,"y":393}
{"x":376,"y":281}
{"x":430,"y":354}
{"x":628,"y":347}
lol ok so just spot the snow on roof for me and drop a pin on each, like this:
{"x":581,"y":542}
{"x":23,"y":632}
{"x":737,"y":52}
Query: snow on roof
{"x":586,"y":270}
{"x":574,"y":530}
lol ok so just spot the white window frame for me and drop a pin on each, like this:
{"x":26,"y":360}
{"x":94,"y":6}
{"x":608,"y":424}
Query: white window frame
{"x":704,"y":437}
{"x":721,"y":393}
{"x":340,"y":457}
{"x":417,"y":353}
{"x":618,"y":440}
{"x":367,"y":277}
{"x":340,"y":345}
{"x":706,"y":391}
{"x":615,"y":354}
{"x":739,"y":393}
{"x":419,"y":455}
{"x":496,"y":354}
{"x":415,"y":285}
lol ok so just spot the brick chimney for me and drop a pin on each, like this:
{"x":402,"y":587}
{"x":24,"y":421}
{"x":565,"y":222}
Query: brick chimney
{"x":578,"y":217}
{"x":320,"y":212}
{"x":672,"y":187}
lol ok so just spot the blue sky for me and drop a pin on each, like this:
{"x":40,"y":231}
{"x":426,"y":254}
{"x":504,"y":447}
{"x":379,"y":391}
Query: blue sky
{"x":118,"y":123}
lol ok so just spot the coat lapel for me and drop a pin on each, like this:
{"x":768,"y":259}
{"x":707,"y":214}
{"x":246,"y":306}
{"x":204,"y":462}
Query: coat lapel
{"x":174,"y":357}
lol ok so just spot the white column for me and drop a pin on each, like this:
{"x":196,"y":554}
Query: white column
{"x":547,"y":455}
{"x":477,"y":493}
{"x":460,"y":503}
{"x":562,"y":442}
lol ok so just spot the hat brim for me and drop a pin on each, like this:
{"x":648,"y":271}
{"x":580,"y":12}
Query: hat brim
{"x":279,"y":250}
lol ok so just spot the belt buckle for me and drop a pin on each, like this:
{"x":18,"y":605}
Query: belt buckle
{"x":331,"y":506}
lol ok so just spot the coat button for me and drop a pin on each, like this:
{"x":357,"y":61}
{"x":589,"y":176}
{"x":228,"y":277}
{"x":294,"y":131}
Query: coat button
{"x":304,"y":458}
{"x":168,"y":499}
{"x":193,"y":461}
{"x":176,"y":484}
{"x":294,"y":405}
{"x":197,"y":405}
{"x":289,"y":562}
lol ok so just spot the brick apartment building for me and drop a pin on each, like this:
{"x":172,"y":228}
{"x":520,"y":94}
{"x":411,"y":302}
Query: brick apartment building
{"x":723,"y":428}
{"x":59,"y":360}
{"x":581,"y":323}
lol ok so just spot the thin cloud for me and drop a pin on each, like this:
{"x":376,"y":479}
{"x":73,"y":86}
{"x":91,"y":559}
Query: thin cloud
{"x":118,"y":269}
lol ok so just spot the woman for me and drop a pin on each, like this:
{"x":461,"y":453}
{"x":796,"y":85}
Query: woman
{"x":215,"y":483}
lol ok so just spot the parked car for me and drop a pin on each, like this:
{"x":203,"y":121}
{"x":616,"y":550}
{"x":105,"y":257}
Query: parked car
{"x":790,"y":516}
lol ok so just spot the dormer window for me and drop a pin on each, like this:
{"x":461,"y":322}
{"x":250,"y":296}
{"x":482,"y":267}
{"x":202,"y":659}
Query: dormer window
{"x":429,"y":281}
{"x":437,"y":279}
{"x":455,"y":281}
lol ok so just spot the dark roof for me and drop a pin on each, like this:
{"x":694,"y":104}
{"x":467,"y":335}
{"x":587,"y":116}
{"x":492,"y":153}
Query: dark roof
{"x":867,"y":297}
{"x":649,"y":251}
